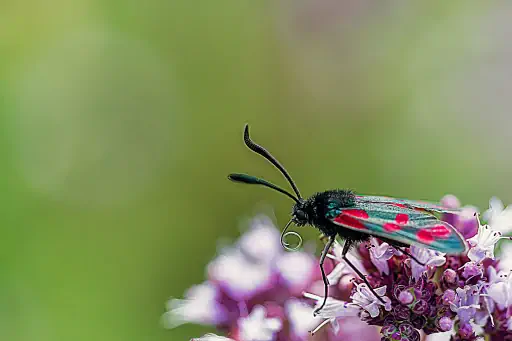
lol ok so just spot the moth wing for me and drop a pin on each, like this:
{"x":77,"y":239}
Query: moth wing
{"x":406,"y":203}
{"x":400,"y":224}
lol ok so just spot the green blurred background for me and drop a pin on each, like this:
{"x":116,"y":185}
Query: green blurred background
{"x":121,"y":119}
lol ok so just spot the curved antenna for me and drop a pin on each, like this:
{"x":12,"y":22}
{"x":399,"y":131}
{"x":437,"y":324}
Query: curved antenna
{"x":252,"y":180}
{"x":284,"y":234}
{"x":263,"y":152}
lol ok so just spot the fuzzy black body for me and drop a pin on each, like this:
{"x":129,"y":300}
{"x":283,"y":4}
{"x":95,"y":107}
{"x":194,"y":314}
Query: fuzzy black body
{"x":316,"y":210}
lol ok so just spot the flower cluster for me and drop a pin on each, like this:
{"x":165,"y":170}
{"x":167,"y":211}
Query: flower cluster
{"x":257,"y":292}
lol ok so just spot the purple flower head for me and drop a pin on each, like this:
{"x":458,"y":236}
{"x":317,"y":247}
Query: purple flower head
{"x":466,"y":302}
{"x":258,"y":292}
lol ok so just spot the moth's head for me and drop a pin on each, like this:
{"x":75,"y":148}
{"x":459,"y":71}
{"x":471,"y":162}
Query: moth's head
{"x":300,"y":214}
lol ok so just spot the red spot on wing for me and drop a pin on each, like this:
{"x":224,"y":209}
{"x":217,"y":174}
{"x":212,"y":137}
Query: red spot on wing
{"x":356,"y":213}
{"x":399,"y":205}
{"x":349,"y":221}
{"x":402,"y":218}
{"x":390,"y":227}
{"x":424,"y":236}
{"x":427,"y":236}
{"x":440,"y":231}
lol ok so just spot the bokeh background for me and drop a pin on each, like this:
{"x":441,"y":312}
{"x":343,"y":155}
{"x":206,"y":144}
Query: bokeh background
{"x":121,"y":119}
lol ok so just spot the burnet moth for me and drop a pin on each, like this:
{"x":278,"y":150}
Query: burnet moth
{"x":355,"y":218}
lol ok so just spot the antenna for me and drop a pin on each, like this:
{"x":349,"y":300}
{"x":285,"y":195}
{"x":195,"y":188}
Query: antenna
{"x":252,"y":180}
{"x":263,"y":152}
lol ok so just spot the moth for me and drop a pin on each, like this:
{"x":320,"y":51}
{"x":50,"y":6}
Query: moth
{"x":355,"y":218}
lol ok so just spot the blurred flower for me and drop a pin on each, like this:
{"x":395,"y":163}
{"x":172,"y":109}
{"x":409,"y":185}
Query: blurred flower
{"x":199,"y":306}
{"x":427,"y":257}
{"x":302,"y":320}
{"x":257,"y":327}
{"x":212,"y":337}
{"x":499,"y":217}
{"x":254,"y":292}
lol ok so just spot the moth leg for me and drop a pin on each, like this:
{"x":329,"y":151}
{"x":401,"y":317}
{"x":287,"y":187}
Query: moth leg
{"x":346,"y":248}
{"x":410,"y":256}
{"x":324,"y":277}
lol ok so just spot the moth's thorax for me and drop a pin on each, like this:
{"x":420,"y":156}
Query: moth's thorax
{"x":313,"y":210}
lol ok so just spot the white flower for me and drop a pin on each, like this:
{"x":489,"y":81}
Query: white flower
{"x":199,"y":306}
{"x":499,"y":217}
{"x":506,"y":257}
{"x":380,"y":254}
{"x":332,"y":310}
{"x":482,"y":245}
{"x":301,"y":318}
{"x":495,"y":276}
{"x":341,"y":269}
{"x":257,"y":327}
{"x":212,"y":337}
{"x":501,"y":292}
{"x":261,"y":243}
{"x":427,"y":257}
{"x":296,"y":269}
{"x":364,"y":298}
{"x":239,"y":276}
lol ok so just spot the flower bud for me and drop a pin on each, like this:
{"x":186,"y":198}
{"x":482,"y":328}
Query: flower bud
{"x":448,"y":297}
{"x":445,"y":323}
{"x":471,"y":269}
{"x":405,"y":297}
{"x":450,"y":276}
{"x":421,"y":307}
{"x":406,"y":329}
{"x":465,"y":330}
{"x":401,"y":313}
